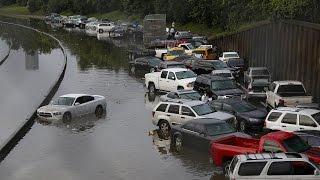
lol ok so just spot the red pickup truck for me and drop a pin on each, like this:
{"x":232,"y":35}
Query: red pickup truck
{"x":224,"y":149}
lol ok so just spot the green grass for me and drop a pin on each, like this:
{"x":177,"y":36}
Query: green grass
{"x":116,"y":15}
{"x":14,"y":10}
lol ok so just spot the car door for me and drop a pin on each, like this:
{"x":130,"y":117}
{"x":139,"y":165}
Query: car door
{"x":173,"y":114}
{"x":162,"y":80}
{"x":307,"y":123}
{"x":186,"y":114}
{"x":171,"y":82}
{"x":88,"y":105}
{"x":78,"y":107}
{"x":200,"y":137}
{"x":289,"y":122}
{"x":303,"y":171}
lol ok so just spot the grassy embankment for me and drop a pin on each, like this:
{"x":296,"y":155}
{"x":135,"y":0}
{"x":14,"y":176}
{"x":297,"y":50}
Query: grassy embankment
{"x":19,"y":12}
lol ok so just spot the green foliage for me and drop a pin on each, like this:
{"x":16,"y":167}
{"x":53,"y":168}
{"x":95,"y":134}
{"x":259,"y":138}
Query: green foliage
{"x":34,"y":5}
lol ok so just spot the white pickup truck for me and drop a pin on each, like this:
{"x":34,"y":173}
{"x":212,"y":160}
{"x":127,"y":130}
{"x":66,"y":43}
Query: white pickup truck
{"x":188,"y":48}
{"x":171,"y":79}
{"x":286,"y":93}
{"x":229,"y":55}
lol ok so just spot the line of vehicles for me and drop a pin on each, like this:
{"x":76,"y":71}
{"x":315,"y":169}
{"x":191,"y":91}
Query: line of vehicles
{"x":280,"y":139}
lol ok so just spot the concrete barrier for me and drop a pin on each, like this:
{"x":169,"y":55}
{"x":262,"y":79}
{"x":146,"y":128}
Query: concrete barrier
{"x":24,"y":127}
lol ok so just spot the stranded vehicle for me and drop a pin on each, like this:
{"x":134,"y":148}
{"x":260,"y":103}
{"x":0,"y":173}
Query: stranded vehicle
{"x":286,"y":93}
{"x":288,"y":166}
{"x":204,"y":53}
{"x":72,"y":105}
{"x":256,"y":79}
{"x":144,"y":65}
{"x":171,"y":79}
{"x":229,"y":55}
{"x":224,"y":149}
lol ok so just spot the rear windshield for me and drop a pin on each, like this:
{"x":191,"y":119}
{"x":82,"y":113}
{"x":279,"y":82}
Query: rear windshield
{"x":296,"y":144}
{"x":231,"y":55}
{"x":185,"y":74}
{"x":154,"y":62}
{"x":260,"y":72}
{"x":219,"y":65}
{"x":316,"y":117}
{"x":235,"y":62}
{"x":291,"y":90}
{"x":228,"y":75}
{"x":242,"y":107}
{"x":222,"y":85}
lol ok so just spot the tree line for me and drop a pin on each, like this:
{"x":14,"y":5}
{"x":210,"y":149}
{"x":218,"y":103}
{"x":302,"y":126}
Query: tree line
{"x":225,"y":14}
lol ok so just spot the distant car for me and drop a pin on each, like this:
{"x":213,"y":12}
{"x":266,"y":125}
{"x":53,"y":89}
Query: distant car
{"x":207,"y":66}
{"x":285,"y":166}
{"x":170,"y":64}
{"x":248,"y":117}
{"x":167,"y":114}
{"x":198,"y":133}
{"x":182,"y":94}
{"x":144,"y":65}
{"x":293,"y":119}
{"x":69,"y":106}
{"x":218,"y":87}
{"x":223,"y":73}
{"x":256,"y":79}
{"x":229,"y":55}
{"x":312,"y":137}
{"x":105,"y":27}
{"x":182,"y":35}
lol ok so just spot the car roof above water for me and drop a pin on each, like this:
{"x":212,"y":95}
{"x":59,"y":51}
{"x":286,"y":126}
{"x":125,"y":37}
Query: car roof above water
{"x":74,"y":95}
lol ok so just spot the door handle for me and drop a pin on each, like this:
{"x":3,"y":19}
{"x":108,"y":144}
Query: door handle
{"x":301,"y":128}
{"x":168,"y":115}
{"x":182,"y":117}
{"x":284,"y":126}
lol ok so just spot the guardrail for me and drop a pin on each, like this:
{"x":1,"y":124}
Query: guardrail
{"x":290,"y":49}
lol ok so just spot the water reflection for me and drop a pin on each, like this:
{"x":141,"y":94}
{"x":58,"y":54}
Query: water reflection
{"x":151,"y":100}
{"x":32,"y":60}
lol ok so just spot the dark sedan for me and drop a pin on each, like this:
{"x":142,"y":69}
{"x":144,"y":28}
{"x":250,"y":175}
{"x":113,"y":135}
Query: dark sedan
{"x":198,"y":133}
{"x":143,"y":65}
{"x":248,"y":116}
{"x":310,"y":136}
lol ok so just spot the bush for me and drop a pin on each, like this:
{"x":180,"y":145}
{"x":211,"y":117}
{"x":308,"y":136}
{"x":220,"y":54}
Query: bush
{"x":34,"y":5}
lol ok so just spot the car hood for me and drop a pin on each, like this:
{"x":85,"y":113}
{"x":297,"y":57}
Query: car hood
{"x":228,"y":92}
{"x":219,"y":115}
{"x":187,"y":81}
{"x":52,"y":108}
{"x":257,"y":114}
{"x":313,"y":154}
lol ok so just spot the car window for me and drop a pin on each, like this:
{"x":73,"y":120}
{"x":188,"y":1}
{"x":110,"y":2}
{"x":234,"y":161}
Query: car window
{"x":251,"y":168}
{"x":289,"y":119}
{"x":274,"y":116}
{"x":162,"y":108}
{"x":306,"y":121}
{"x":199,"y":128}
{"x":79,"y":100}
{"x":87,"y":99}
{"x":271,"y":146}
{"x":171,"y":76}
{"x":188,"y":126}
{"x":173,"y":109}
{"x":280,"y":168}
{"x":302,"y":168}
{"x":164,"y":74}
{"x":186,"y":111}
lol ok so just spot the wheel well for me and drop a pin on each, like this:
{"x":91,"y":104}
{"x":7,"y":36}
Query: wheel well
{"x":180,"y":87}
{"x":162,"y":120}
{"x":99,"y":106}
{"x":150,"y":83}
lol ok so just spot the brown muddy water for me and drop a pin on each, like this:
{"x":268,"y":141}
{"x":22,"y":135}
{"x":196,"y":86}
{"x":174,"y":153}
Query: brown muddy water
{"x":122,"y":145}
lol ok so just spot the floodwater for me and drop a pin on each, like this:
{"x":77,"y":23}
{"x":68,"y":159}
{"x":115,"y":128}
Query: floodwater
{"x":30,"y":64}
{"x":122,"y":145}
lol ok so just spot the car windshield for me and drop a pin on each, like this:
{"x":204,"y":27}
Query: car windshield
{"x":242,"y":107}
{"x":185,"y":75}
{"x":316,"y":117}
{"x":260,"y":72}
{"x":219,"y":65}
{"x":219,"y":129}
{"x":222,"y":85}
{"x":231,"y":55}
{"x":203,"y":109}
{"x":176,"y":52}
{"x":192,"y":96}
{"x":228,"y":75}
{"x":296,"y":144}
{"x":64,"y":101}
{"x":154,"y":62}
{"x":257,"y":81}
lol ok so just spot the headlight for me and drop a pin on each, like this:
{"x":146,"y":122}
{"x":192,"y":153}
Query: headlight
{"x":57,"y":113}
{"x":222,"y":97}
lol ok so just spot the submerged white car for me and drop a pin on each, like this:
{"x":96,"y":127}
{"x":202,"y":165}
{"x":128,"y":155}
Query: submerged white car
{"x":72,"y":105}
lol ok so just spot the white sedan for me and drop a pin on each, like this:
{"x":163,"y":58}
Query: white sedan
{"x":72,"y":105}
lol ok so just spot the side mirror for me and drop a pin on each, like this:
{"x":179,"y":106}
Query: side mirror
{"x":316,"y":172}
{"x":76,"y":104}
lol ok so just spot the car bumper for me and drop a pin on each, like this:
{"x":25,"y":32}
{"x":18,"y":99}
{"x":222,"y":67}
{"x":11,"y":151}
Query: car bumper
{"x":50,"y":119}
{"x":257,"y":94}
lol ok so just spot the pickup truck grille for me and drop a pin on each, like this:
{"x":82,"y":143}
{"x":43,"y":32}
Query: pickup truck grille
{"x":44,"y":114}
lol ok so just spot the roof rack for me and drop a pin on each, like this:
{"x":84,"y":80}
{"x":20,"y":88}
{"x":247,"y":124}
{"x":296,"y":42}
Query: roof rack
{"x":261,"y":156}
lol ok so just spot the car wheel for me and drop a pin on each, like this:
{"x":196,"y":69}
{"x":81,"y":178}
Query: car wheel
{"x":99,"y":111}
{"x":152,"y":88}
{"x":235,"y":124}
{"x":66,"y":118}
{"x":164,"y":126}
{"x":178,"y":143}
{"x":243,"y":126}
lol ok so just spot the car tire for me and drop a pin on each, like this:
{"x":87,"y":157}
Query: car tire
{"x":152,"y":88}
{"x":178,"y":143}
{"x":99,"y":111}
{"x":66,"y":118}
{"x":242,"y":126}
{"x":164,"y":126}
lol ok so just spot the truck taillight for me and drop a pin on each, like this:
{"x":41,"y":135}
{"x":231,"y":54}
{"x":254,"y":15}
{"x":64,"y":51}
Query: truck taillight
{"x":153,"y":113}
{"x":281,"y":102}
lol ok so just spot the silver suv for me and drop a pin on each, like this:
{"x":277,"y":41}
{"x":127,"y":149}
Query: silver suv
{"x":291,"y":166}
{"x":166,"y":114}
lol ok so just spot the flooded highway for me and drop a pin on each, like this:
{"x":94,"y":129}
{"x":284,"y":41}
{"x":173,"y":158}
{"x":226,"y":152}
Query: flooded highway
{"x":122,"y":145}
